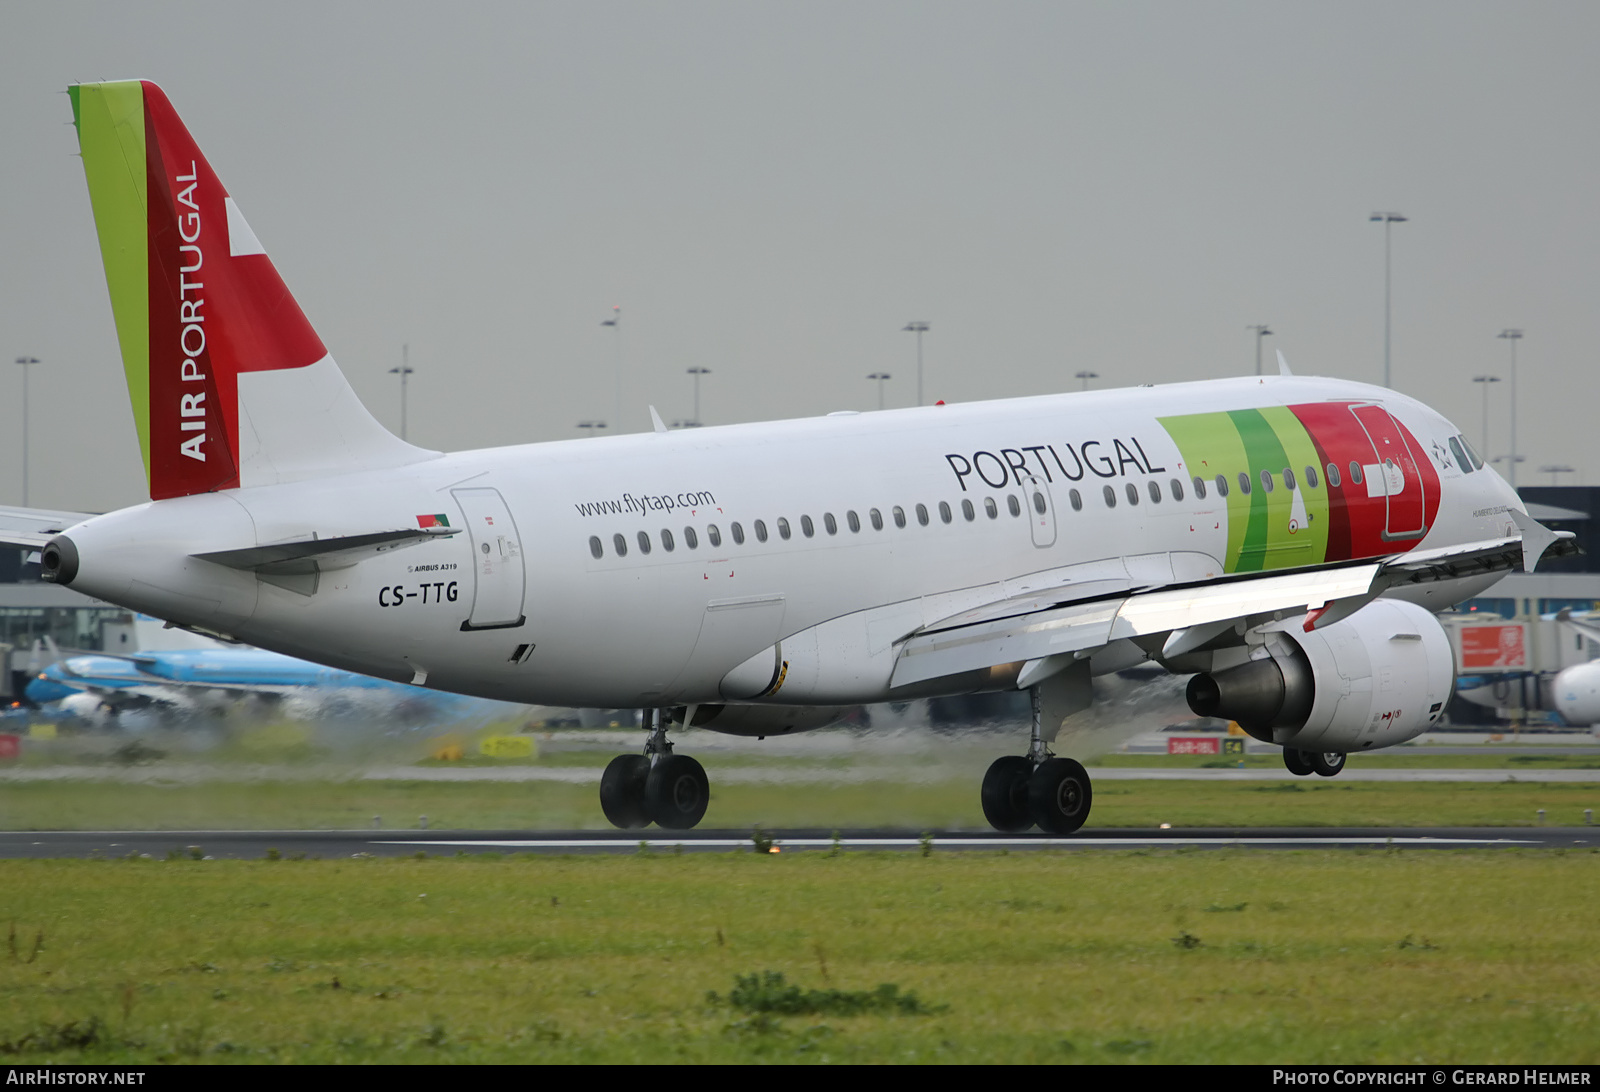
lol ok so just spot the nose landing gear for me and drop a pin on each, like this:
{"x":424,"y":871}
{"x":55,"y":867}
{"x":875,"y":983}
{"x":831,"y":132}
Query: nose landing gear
{"x":658,"y":786}
{"x":1037,"y":789}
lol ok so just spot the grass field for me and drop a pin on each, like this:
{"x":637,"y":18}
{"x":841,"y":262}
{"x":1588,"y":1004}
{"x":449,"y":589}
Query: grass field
{"x":1227,"y":956}
{"x":941,"y":804}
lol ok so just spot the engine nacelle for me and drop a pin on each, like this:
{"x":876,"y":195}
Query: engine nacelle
{"x":1577,"y":694}
{"x":1377,"y":678}
{"x":763,"y":720}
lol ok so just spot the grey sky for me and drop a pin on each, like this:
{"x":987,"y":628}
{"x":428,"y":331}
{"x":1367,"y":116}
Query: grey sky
{"x":773,"y":190}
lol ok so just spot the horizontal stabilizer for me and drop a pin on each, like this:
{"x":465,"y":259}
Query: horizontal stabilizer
{"x":34,"y":527}
{"x":319,"y":554}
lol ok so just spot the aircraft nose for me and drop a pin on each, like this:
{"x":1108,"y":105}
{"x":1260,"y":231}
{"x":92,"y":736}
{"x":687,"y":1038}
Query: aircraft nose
{"x":58,"y":561}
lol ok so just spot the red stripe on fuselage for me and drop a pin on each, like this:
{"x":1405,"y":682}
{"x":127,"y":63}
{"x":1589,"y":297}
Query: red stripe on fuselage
{"x":1358,"y":521}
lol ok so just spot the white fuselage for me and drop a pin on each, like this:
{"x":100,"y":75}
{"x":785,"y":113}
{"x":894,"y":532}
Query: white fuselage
{"x":540,"y":618}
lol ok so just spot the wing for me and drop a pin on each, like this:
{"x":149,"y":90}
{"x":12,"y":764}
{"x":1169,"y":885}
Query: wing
{"x":1076,"y":620}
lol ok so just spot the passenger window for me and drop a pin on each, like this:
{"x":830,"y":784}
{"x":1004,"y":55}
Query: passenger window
{"x":807,"y":528}
{"x":1177,"y":489}
{"x":738,"y":533}
{"x":1038,"y":502}
{"x":713,"y":534}
{"x":829,"y":523}
{"x":1333,"y":476}
{"x":1244,"y":482}
{"x":690,"y":539}
{"x":1133,"y":493}
{"x":619,"y":544}
{"x":877,"y":519}
{"x":990,"y":508}
{"x":594,"y":546}
{"x":1110,"y":495}
{"x":1288,"y":479}
{"x":783,"y":528}
{"x":1222,"y":485}
{"x":1013,"y":505}
{"x":1266,"y":480}
{"x":1311,"y":477}
{"x":1155,"y":493}
{"x":1355,"y":472}
{"x":1076,"y":499}
{"x":644,"y":542}
{"x":967,"y":510}
{"x":900,"y":516}
{"x":854,"y":521}
{"x":1199,"y":488}
{"x":761,"y":531}
{"x":922,"y":514}
{"x":666,"y":540}
{"x":944,"y":511}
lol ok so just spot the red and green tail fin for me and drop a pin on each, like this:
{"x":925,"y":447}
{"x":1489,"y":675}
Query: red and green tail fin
{"x":230,"y":384}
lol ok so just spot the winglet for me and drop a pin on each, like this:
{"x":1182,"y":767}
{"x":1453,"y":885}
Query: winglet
{"x":656,"y":422}
{"x":1283,"y":364}
{"x":1536,"y":538}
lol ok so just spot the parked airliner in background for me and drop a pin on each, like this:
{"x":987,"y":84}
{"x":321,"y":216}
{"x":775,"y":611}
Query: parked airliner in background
{"x":1282,"y":538}
{"x":98,"y":686}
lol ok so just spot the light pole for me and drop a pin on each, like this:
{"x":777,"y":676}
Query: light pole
{"x":697,"y":372}
{"x":1513,"y":336}
{"x":615,"y":322}
{"x":1554,"y":470}
{"x":26,"y":362}
{"x":592,"y":427}
{"x":1086,"y":376}
{"x":918,"y":328}
{"x":1485,"y":380}
{"x":880,"y":377}
{"x":403,"y":371}
{"x":1387,"y":218}
{"x":1261,"y":332}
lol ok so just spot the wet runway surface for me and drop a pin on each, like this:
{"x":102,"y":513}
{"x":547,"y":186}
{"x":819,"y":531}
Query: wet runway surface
{"x":402,"y":843}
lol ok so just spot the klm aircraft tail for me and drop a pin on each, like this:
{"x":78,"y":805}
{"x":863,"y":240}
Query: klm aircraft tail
{"x":230,"y":384}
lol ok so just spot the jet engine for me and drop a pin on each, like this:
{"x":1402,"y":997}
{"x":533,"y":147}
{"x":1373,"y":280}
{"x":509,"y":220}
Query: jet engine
{"x":1377,"y":678}
{"x":763,"y":720}
{"x":1577,"y":694}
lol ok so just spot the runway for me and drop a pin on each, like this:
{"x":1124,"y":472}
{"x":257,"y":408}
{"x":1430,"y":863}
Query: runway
{"x":258,"y":844}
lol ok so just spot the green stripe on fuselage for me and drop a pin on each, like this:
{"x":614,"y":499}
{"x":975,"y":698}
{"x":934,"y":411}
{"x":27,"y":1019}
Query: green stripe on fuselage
{"x":1210,"y":445}
{"x":1280,"y":529}
{"x":111,"y":137}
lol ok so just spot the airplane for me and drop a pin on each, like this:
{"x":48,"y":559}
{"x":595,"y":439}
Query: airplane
{"x":194,"y":679}
{"x":1283,"y":539}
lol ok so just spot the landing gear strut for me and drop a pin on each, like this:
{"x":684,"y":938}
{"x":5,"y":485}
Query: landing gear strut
{"x":658,"y":786}
{"x":1019,"y":792}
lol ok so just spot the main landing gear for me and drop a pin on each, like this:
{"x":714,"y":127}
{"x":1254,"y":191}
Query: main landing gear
{"x":658,"y":786}
{"x":1038,"y":788}
{"x":1305,"y":763}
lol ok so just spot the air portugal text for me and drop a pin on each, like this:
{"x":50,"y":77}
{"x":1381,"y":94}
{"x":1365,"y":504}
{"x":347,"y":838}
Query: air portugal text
{"x":192,"y":339}
{"x":1102,"y":458}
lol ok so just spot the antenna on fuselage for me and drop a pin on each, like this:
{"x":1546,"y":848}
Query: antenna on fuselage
{"x":1283,"y":364}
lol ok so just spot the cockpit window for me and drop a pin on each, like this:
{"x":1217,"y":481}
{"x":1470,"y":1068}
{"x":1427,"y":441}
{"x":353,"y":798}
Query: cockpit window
{"x":1477,"y":460}
{"x":1462,"y":462}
